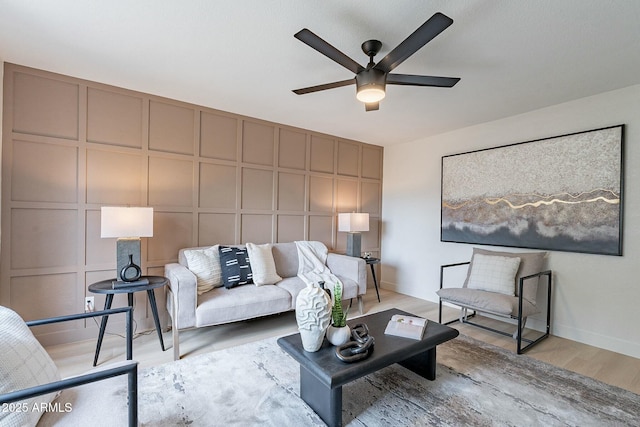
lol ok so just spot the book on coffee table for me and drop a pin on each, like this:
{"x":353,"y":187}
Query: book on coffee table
{"x":406,"y":326}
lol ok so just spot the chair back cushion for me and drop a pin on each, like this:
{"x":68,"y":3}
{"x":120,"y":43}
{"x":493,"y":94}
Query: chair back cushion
{"x":23,"y":363}
{"x":530,"y":263}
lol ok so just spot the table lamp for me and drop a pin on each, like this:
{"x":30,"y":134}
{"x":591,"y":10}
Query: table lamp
{"x":128,"y":224}
{"x":353,"y":223}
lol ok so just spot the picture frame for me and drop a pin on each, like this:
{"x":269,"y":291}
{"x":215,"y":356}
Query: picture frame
{"x":563,"y":193}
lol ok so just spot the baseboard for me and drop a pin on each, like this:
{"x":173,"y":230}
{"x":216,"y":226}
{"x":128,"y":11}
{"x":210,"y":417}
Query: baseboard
{"x":617,"y":345}
{"x":388,"y":286}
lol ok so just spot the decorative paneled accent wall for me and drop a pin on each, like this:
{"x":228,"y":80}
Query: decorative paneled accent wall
{"x":71,"y":146}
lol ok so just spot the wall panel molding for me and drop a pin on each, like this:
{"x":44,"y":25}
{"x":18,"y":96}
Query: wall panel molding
{"x":71,"y":146}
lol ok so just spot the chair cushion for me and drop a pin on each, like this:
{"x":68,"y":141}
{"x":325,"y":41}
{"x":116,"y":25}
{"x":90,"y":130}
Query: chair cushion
{"x":488,"y":302}
{"x":262,"y":264}
{"x":493,"y":274}
{"x":205,"y":264}
{"x":530,"y":263}
{"x":23,"y":363}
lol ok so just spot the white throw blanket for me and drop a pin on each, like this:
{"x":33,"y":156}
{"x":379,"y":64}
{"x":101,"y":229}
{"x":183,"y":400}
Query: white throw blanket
{"x":312,"y":260}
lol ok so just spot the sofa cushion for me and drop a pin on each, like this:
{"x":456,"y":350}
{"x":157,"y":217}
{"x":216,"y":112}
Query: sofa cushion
{"x":23,"y":363}
{"x":349,"y":288}
{"x":222,"y":305}
{"x":530,"y":263}
{"x":205,"y":264}
{"x":294,"y":285}
{"x":285,"y":256}
{"x":262,"y":264}
{"x":493,"y":273}
{"x":235,"y":265}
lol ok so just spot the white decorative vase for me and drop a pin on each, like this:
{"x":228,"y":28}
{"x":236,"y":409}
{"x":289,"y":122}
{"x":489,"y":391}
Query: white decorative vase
{"x":313,"y":314}
{"x":338,"y":336}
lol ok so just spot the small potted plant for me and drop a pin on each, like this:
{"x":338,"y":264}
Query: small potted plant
{"x":338,"y":332}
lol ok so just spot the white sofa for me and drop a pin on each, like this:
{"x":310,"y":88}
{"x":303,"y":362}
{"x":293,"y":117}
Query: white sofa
{"x":221,"y":305}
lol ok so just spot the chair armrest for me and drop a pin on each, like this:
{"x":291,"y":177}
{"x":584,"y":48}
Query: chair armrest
{"x":183,"y":286}
{"x":442,"y":267}
{"x":129,"y":368}
{"x":534,"y":276}
{"x":122,"y":368}
{"x":350,"y":267}
{"x":128,"y":323}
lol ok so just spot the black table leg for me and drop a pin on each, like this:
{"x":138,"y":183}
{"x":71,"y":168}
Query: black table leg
{"x":325,"y":401}
{"x":154,"y":311}
{"x":103,"y":325}
{"x":423,"y":364}
{"x":375,"y":280}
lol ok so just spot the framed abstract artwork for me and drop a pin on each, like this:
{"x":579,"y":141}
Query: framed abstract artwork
{"x":562,"y":193}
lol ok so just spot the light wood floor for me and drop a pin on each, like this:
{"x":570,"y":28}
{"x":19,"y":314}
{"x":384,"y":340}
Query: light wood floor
{"x":609,"y":367}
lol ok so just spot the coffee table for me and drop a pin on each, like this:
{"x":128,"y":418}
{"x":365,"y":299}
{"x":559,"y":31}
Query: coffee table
{"x":322,"y":374}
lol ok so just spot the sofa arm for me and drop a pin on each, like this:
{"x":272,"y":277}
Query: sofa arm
{"x":350,"y":267}
{"x":183,"y":287}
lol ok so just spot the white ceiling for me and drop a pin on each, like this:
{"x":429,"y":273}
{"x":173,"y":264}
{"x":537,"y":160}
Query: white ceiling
{"x":240,"y":56}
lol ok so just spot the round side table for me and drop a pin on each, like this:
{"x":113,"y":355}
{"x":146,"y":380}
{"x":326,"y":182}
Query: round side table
{"x":106,"y":287}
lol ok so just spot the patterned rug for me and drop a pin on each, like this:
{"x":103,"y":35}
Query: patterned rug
{"x":256,"y":384}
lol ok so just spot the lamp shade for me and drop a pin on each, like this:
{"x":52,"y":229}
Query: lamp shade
{"x":353,"y":222}
{"x":126,"y":222}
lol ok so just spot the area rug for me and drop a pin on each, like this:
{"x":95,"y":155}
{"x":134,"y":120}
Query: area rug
{"x":256,"y":384}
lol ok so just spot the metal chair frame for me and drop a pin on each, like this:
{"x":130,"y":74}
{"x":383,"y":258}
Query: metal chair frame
{"x":464,"y":317}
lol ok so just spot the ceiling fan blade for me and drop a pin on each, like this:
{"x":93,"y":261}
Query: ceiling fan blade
{"x":314,"y":41}
{"x":423,"y":35}
{"x":325,"y":86}
{"x":371,"y":106}
{"x":411,"y":80}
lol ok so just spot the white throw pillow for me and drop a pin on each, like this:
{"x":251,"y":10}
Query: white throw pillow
{"x":23,"y":363}
{"x":205,"y":264}
{"x":494,"y":273}
{"x":262,"y":264}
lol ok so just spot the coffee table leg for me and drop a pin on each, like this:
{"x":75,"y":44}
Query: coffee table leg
{"x":423,"y":364}
{"x":325,"y":401}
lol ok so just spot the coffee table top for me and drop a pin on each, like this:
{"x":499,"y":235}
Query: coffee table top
{"x":388,"y":349}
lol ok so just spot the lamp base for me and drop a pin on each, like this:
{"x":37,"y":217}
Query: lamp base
{"x":354,"y":244}
{"x":124,"y":248}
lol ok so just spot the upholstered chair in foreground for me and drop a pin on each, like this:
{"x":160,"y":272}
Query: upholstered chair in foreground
{"x":30,"y":380}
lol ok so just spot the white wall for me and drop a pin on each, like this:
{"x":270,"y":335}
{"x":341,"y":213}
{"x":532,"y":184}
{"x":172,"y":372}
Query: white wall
{"x":595,"y":297}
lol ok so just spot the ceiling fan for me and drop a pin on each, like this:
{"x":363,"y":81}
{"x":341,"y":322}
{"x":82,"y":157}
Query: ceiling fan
{"x":371,"y":80}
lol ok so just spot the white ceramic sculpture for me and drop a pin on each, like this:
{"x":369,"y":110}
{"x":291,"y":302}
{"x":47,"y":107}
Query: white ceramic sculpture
{"x":313,"y":314}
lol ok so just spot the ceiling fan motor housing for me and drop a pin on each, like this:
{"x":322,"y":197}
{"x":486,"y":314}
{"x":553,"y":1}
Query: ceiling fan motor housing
{"x":370,"y":85}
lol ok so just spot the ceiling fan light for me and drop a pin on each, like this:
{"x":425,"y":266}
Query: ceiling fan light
{"x":370,"y":93}
{"x":370,"y":85}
